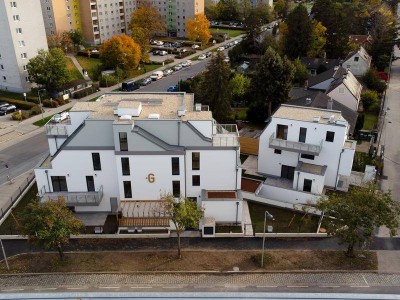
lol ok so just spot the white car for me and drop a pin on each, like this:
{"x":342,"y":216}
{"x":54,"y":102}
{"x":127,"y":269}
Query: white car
{"x":60,"y":117}
{"x":227,"y":60}
{"x":219,"y":49}
{"x":168,"y":72}
{"x":187,"y":63}
{"x":163,"y":53}
{"x":201,"y":57}
{"x":160,"y":43}
{"x":178,"y":67}
{"x":195,"y":46}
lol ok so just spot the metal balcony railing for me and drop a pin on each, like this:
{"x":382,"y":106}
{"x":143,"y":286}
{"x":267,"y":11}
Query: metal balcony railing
{"x":293,"y":146}
{"x":225,"y":135}
{"x":74,"y":198}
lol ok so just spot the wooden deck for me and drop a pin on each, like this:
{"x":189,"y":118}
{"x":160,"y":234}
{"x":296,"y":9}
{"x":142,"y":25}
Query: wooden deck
{"x":144,"y":222}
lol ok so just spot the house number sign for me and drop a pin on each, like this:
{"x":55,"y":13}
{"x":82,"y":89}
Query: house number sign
{"x":151,"y":178}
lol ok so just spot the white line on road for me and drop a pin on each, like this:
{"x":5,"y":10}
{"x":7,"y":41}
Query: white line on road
{"x":297,"y":286}
{"x":359,"y":286}
{"x":329,"y":286}
{"x":109,"y":287}
{"x":366,"y":283}
{"x":172,"y":287}
{"x":141,"y":287}
{"x":77,"y":288}
{"x":12,"y":290}
{"x":44,"y":289}
{"x":203,"y":286}
{"x":266,"y":286}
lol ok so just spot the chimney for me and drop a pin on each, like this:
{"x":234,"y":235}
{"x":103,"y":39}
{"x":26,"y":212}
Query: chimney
{"x":329,"y":105}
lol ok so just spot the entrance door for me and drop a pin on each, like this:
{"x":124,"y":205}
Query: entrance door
{"x":287,"y":172}
{"x":59,"y":183}
{"x":90,"y":183}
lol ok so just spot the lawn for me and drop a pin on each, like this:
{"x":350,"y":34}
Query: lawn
{"x":228,"y":229}
{"x":370,"y":121}
{"x":73,"y":71}
{"x":286,"y":221}
{"x":145,"y":69}
{"x":10,"y":225}
{"x":231,"y":32}
{"x":245,"y":260}
{"x":239,"y":114}
{"x":91,"y":65}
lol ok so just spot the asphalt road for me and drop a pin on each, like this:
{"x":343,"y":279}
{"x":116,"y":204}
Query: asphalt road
{"x":23,"y":156}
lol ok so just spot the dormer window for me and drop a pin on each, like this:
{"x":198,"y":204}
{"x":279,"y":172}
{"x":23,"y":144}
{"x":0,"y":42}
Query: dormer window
{"x":356,"y":58}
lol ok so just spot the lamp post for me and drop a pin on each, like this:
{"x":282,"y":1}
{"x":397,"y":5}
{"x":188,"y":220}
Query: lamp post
{"x":268,"y":216}
{"x":118,"y":73}
{"x":24,"y":96}
{"x":40,"y":102}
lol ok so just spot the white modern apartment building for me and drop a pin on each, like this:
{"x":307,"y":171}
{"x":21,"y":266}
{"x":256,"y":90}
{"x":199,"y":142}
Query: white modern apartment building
{"x":303,"y":151}
{"x":124,"y":152}
{"x":22,"y":35}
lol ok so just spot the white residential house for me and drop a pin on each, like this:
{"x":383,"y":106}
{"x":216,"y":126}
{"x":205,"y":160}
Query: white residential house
{"x":346,"y":90}
{"x":322,"y":81}
{"x":123,"y":152}
{"x":358,"y":62}
{"x":303,"y":151}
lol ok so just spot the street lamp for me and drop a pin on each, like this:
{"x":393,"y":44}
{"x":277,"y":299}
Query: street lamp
{"x":118,"y":73}
{"x":40,"y":102}
{"x":268,"y":216}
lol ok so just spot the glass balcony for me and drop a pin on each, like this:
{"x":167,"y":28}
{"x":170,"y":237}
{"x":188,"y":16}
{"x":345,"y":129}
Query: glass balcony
{"x":292,"y":146}
{"x":74,"y":198}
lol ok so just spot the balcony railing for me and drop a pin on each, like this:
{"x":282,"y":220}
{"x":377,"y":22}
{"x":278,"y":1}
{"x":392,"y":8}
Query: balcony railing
{"x":225,"y":135}
{"x":74,"y":198}
{"x":56,"y":129}
{"x":305,"y":148}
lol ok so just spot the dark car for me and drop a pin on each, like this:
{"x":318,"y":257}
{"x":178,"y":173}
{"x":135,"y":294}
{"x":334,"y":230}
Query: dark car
{"x":208,"y":54}
{"x":173,"y":88}
{"x":146,"y":81}
{"x":7,"y":109}
{"x":156,"y":52}
{"x":128,"y":86}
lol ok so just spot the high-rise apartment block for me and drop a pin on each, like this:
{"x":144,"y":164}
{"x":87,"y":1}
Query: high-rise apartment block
{"x":22,"y":35}
{"x":99,"y":20}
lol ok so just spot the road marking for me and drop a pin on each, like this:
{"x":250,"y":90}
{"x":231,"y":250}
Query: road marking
{"x":266,"y":286}
{"x":203,"y":286}
{"x":172,"y":287}
{"x":77,"y":288}
{"x":109,"y":287}
{"x":329,"y":286}
{"x":43,"y":289}
{"x":141,"y":287}
{"x":366,"y":283}
{"x":12,"y":290}
{"x":359,"y":286}
{"x":297,"y":286}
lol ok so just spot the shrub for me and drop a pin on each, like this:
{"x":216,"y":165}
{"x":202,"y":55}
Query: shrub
{"x":35,"y":110}
{"x":108,"y":80}
{"x":369,"y":98}
{"x":85,"y":92}
{"x":86,"y":54}
{"x":169,"y":61}
{"x":19,"y":117}
{"x":21,"y":104}
{"x":60,"y":101}
{"x":33,"y":100}
{"x":50,"y":103}
{"x":185,"y":54}
{"x":373,"y":82}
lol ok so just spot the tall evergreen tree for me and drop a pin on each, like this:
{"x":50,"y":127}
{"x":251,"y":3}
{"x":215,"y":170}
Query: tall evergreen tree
{"x":215,"y":87}
{"x":271,"y":85}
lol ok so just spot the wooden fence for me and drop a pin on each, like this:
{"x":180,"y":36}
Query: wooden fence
{"x":248,"y":145}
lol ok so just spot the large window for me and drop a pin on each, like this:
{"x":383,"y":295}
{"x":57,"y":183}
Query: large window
{"x":59,"y":183}
{"x":302,"y":135}
{"x":287,"y":172}
{"x":196,"y":180}
{"x":281,"y":132}
{"x":330,"y":136}
{"x":96,"y":161}
{"x":123,"y":141}
{"x":125,"y":166}
{"x":90,"y":183}
{"x":175,"y":165}
{"x":176,"y":188}
{"x":308,"y":156}
{"x":127,"y":189}
{"x":307,"y":185}
{"x":195,"y":160}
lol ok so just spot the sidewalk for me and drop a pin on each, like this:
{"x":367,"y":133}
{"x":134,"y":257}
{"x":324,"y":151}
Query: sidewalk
{"x":79,"y":67}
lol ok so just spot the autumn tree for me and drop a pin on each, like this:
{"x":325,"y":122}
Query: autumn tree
{"x":146,"y":21}
{"x":300,"y":72}
{"x":239,"y":86}
{"x":316,"y":48}
{"x":281,"y":8}
{"x":198,"y":29}
{"x":183,"y":213}
{"x":120,"y":51}
{"x":353,"y":216}
{"x":215,"y":87}
{"x":271,"y":85}
{"x":49,"y":68}
{"x":49,"y":224}
{"x":60,"y":40}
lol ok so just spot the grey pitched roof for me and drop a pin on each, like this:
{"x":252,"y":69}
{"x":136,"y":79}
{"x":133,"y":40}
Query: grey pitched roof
{"x":334,"y":73}
{"x":351,"y":82}
{"x":362,"y":53}
{"x":315,"y":62}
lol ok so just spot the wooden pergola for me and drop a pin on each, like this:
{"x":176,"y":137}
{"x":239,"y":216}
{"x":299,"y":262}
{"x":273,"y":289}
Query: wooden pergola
{"x":142,"y":213}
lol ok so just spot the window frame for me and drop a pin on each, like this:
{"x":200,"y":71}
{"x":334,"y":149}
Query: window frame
{"x":304,"y":185}
{"x":196,"y":180}
{"x":175,"y":166}
{"x":125,"y":166}
{"x":127,"y":189}
{"x":96,"y":161}
{"x":330,"y":140}
{"x":195,"y":161}
{"x":176,"y":188}
{"x":121,"y":142}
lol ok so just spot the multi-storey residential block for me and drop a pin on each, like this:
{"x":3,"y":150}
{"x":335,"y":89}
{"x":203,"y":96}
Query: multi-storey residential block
{"x":122,"y":153}
{"x":302,"y":152}
{"x":60,"y":16}
{"x":22,"y":35}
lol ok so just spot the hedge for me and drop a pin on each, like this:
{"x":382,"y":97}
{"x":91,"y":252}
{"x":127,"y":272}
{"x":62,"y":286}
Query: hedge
{"x":185,"y":54}
{"x":21,"y":104}
{"x":92,"y":55}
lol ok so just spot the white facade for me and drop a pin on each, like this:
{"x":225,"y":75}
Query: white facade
{"x":22,"y":35}
{"x":302,"y":151}
{"x":358,"y":62}
{"x":182,"y":155}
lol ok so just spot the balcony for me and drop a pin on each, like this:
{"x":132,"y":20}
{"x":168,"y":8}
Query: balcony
{"x":292,"y":146}
{"x":74,"y":198}
{"x":225,"y":135}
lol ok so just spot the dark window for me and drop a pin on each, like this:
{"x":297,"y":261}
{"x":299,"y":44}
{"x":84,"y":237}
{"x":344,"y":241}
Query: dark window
{"x":90,"y":183}
{"x":308,"y":156}
{"x":277,"y":151}
{"x":176,"y":188}
{"x":356,"y":58}
{"x":196,"y":180}
{"x":287,"y":172}
{"x":330,"y":136}
{"x":127,"y":189}
{"x":96,"y":161}
{"x":281,"y":132}
{"x":193,"y":199}
{"x":125,"y":166}
{"x":302,"y":135}
{"x":59,"y":183}
{"x":123,"y":141}
{"x":195,"y":160}
{"x":175,"y":165}
{"x":208,"y":230}
{"x":307,"y":185}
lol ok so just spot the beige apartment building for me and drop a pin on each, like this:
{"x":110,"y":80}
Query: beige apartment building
{"x":22,"y":35}
{"x":99,"y":20}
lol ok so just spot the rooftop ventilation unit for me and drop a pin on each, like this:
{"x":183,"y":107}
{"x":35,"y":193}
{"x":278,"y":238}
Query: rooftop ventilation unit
{"x":154,"y":116}
{"x":126,"y":117}
{"x":326,"y":117}
{"x":197,"y":107}
{"x":181,"y":111}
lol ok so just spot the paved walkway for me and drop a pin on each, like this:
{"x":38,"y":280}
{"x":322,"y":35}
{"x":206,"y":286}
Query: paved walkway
{"x":79,"y":67}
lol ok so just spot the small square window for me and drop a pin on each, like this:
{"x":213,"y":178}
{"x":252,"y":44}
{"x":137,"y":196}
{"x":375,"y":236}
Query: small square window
{"x":356,"y":58}
{"x":308,"y":156}
{"x":13,"y":4}
{"x":330,"y":136}
{"x":196,"y":180}
{"x":277,"y":151}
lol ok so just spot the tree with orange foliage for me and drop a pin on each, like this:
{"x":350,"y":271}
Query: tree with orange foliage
{"x":198,"y":29}
{"x":120,"y":51}
{"x":146,"y":21}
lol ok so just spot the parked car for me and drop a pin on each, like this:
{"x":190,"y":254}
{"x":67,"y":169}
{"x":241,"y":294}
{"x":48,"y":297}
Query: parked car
{"x":167,"y":45}
{"x":208,"y":54}
{"x":219,"y":49}
{"x":157,"y":75}
{"x":195,"y":46}
{"x":178,"y":67}
{"x":176,"y":44}
{"x":163,"y":53}
{"x":156,"y":52}
{"x":57,"y":118}
{"x":168,"y":72}
{"x":146,"y":81}
{"x":226,"y":59}
{"x":128,"y":86}
{"x":160,"y":43}
{"x":187,"y":63}
{"x":153,"y":42}
{"x":7,"y":109}
{"x":184,"y":50}
{"x":201,"y":57}
{"x":2,"y":104}
{"x":173,"y":88}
